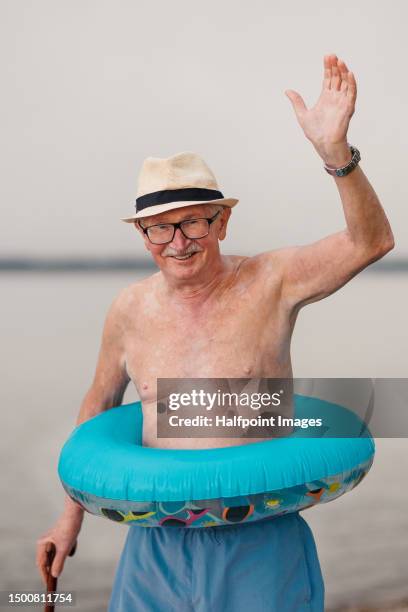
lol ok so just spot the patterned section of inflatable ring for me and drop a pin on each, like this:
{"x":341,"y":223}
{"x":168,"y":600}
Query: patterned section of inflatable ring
{"x":224,"y":511}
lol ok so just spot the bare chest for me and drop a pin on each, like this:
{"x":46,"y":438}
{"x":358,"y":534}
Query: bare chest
{"x":244,"y":334}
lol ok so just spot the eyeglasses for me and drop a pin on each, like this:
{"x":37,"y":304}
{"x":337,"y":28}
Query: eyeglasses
{"x":190,"y":228}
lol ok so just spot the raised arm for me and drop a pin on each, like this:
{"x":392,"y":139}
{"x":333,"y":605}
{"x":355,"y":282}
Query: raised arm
{"x":314,"y":271}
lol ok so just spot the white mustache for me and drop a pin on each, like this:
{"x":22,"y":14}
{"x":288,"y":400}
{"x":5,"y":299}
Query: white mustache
{"x":170,"y":252}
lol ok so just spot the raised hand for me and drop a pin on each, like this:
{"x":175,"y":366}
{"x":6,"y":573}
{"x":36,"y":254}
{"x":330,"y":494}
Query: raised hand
{"x":326,"y":124}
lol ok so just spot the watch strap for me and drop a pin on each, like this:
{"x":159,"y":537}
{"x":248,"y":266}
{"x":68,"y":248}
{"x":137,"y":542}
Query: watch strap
{"x":348,"y":167}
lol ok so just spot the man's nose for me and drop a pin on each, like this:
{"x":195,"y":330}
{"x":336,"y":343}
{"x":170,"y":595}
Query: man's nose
{"x":179,"y":240}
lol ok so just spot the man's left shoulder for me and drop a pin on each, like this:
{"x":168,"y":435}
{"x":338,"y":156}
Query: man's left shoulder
{"x":267,"y":262}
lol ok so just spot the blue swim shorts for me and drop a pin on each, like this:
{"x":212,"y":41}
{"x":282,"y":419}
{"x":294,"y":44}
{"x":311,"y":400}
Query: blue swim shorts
{"x":264,"y":566}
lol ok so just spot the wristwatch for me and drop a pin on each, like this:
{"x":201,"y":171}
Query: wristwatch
{"x":349,"y":167}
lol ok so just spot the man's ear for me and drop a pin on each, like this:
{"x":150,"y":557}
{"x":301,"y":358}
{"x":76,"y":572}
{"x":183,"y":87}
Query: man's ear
{"x":225,"y":215}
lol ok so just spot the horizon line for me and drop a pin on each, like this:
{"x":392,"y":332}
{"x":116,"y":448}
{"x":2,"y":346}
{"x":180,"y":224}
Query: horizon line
{"x":85,"y":263}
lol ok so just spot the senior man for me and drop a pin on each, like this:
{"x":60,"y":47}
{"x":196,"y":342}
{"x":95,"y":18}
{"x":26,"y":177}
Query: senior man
{"x":207,"y":315}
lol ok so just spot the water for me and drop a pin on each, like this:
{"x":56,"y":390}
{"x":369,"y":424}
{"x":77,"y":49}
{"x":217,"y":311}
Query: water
{"x":51,"y":330}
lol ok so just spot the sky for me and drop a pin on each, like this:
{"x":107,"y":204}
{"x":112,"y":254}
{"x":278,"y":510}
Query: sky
{"x":91,"y":88}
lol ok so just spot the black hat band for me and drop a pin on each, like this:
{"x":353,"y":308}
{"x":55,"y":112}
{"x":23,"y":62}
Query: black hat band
{"x":165,"y":196}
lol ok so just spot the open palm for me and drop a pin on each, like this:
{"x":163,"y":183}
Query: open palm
{"x":327,"y":122}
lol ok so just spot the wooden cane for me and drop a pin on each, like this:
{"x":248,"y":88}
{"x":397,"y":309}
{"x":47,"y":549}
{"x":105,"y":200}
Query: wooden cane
{"x":52,"y":580}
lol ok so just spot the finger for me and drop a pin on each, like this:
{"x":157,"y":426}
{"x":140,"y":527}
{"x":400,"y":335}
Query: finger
{"x":344,"y":65}
{"x":352,"y":87}
{"x":343,"y":75}
{"x":44,"y":570}
{"x":298,"y":103}
{"x":335,"y":80}
{"x":326,"y":73}
{"x":58,"y":563}
{"x":44,"y":575}
{"x":331,"y":59}
{"x":43,"y":550}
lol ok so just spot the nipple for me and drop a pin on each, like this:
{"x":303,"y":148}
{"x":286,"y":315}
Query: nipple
{"x":145,"y":385}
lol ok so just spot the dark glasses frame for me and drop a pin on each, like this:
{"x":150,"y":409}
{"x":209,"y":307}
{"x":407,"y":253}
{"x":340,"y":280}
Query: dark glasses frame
{"x":180,"y":226}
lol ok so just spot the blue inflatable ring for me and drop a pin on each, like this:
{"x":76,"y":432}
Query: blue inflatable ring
{"x":104,"y":468}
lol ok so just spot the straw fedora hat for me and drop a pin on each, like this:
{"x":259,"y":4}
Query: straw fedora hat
{"x":174,"y":182}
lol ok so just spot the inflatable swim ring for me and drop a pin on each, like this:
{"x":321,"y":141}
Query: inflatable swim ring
{"x":104,"y":468}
